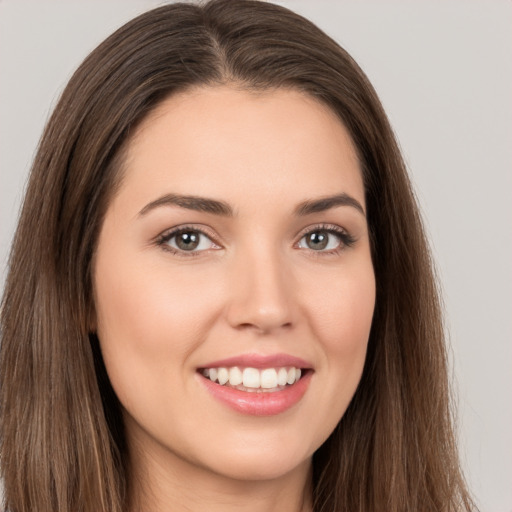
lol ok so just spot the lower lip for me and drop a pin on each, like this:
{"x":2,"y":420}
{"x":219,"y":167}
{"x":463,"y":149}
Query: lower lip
{"x":259,"y":403}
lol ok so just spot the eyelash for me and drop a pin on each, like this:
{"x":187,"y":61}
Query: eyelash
{"x":164,"y":238}
{"x":346,"y":239}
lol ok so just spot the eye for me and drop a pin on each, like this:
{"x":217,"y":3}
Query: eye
{"x":187,"y":240}
{"x":325,"y":240}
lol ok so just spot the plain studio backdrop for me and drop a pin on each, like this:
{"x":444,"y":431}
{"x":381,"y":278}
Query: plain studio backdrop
{"x":443,"y":70}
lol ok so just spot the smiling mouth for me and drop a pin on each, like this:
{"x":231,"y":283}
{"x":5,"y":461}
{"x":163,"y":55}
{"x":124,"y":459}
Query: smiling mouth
{"x":254,"y":380}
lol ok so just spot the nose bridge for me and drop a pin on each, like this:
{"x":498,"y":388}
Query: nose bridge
{"x":261,"y":289}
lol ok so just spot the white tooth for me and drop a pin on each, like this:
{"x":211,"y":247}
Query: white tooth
{"x":268,"y":378}
{"x":251,"y":378}
{"x":282,"y":376}
{"x":222,"y":376}
{"x":297,"y":374}
{"x":235,"y":376}
{"x":213,"y":374}
{"x":290,"y":378}
{"x":206,"y":372}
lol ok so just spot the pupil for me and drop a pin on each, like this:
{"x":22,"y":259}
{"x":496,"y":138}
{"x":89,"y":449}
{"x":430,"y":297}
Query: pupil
{"x":318,"y":240}
{"x":187,"y":241}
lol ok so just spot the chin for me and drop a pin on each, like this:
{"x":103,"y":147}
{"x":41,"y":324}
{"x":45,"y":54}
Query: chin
{"x":261,"y":458}
{"x":261,"y":468}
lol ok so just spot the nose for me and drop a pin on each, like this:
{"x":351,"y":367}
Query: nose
{"x":262,"y":293}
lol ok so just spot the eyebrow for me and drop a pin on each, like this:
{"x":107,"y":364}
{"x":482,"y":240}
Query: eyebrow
{"x":203,"y":204}
{"x":326,"y":203}
{"x":200,"y":204}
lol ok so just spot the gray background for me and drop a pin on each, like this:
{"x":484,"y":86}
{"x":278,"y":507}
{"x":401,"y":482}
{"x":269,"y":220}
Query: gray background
{"x":444,"y":73}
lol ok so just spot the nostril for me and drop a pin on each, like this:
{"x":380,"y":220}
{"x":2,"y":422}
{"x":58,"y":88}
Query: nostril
{"x":262,"y":327}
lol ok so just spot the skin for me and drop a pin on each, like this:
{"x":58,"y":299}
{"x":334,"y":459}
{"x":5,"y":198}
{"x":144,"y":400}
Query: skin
{"x":254,"y":287}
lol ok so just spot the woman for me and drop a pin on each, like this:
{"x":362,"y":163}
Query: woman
{"x":220,"y":293}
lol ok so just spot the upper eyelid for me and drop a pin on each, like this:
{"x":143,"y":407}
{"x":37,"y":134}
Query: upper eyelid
{"x":204,"y":230}
{"x":209,"y":232}
{"x":322,"y":226}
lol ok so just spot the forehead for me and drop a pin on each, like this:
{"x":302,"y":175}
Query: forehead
{"x":231,"y":143}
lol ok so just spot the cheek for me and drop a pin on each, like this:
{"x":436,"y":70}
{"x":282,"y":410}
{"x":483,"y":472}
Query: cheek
{"x":343,"y":307}
{"x":149,"y":321}
{"x":341,"y":313}
{"x":339,"y":310}
{"x":148,"y":308}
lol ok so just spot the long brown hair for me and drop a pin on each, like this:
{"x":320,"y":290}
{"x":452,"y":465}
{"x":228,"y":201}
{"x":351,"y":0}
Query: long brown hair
{"x":61,"y":434}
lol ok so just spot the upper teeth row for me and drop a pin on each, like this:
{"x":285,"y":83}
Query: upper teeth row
{"x":252,"y":377}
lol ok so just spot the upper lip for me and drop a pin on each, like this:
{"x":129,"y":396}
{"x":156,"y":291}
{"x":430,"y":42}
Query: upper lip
{"x":260,"y":361}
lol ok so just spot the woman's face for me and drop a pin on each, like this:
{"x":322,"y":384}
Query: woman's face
{"x":236,"y":250}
